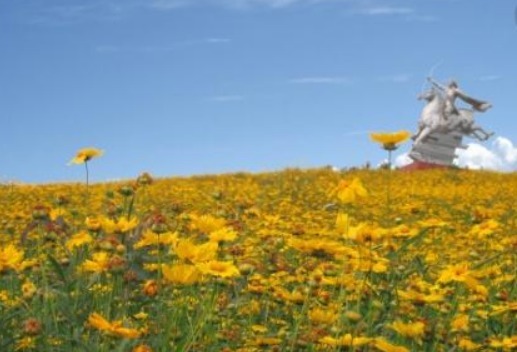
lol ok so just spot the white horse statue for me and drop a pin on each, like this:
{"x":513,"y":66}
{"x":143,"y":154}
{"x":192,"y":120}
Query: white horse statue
{"x":441,"y":115}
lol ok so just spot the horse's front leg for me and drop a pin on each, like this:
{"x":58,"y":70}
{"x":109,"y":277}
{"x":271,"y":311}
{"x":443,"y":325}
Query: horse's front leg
{"x":416,"y":135}
{"x":421,"y":135}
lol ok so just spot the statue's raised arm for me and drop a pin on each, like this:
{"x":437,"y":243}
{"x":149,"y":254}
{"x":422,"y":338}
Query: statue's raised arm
{"x":436,"y":84}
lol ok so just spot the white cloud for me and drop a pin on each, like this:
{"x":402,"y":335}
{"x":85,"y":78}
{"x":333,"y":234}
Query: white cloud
{"x":402,"y":160}
{"x":506,"y":149}
{"x":321,"y":80}
{"x":501,"y":156}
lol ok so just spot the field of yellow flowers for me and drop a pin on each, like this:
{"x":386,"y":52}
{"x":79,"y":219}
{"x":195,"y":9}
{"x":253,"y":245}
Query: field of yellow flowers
{"x":297,"y":260}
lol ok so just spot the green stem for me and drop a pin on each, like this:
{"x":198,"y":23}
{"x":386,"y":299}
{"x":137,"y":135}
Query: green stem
{"x":87,"y":175}
{"x":87,"y":183}
{"x":388,"y":187}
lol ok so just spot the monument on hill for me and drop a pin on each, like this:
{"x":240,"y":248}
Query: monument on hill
{"x":443,"y":125}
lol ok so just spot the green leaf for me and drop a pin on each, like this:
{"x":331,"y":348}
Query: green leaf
{"x":57,"y":268}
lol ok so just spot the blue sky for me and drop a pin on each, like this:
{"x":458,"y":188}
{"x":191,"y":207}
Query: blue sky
{"x":182,"y":87}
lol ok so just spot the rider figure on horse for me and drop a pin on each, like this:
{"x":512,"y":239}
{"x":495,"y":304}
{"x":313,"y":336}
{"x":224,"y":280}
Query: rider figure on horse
{"x":451,"y":92}
{"x":440,"y":113}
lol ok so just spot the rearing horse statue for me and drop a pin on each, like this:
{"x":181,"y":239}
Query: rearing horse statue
{"x":441,"y":115}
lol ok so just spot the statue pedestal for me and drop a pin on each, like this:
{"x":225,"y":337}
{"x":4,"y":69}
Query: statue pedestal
{"x":437,"y":149}
{"x":420,"y":165}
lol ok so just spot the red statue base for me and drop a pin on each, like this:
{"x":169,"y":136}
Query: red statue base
{"x":422,"y":165}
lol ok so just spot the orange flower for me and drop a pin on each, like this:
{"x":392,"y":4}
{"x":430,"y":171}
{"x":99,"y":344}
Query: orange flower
{"x":150,"y":288}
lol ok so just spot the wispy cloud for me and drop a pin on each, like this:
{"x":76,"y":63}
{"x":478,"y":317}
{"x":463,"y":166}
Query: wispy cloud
{"x":151,"y":49}
{"x":489,"y":78}
{"x":398,"y":78}
{"x":384,"y":11}
{"x":246,"y":4}
{"x":321,"y":80}
{"x":168,"y":4}
{"x":217,"y":40}
{"x":74,"y":13}
{"x":226,"y":98}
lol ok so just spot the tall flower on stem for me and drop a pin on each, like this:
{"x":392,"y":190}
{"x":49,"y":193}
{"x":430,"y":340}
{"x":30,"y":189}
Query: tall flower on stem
{"x":390,"y":141}
{"x":83,"y":156}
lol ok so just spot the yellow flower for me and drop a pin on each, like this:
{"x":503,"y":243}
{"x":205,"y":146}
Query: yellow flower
{"x":259,"y":328}
{"x":342,"y":223}
{"x":320,"y":316}
{"x":206,"y":223}
{"x":56,"y":213}
{"x":219,"y":268}
{"x":96,"y":321}
{"x":187,"y":250}
{"x":11,"y":258}
{"x":78,"y":240}
{"x":389,"y":141}
{"x":142,"y":348}
{"x":460,"y":323}
{"x":507,"y":307}
{"x":382,"y":345}
{"x":224,"y":234}
{"x":93,"y":224}
{"x":99,"y":263}
{"x":345,"y":340}
{"x":420,"y":298}
{"x":183,"y":274}
{"x":141,"y":315}
{"x":86,"y":154}
{"x":364,"y":232}
{"x":350,"y":192}
{"x":26,"y":343}
{"x":413,"y":330}
{"x":120,"y":226}
{"x":267,"y":341}
{"x":467,"y":345}
{"x":150,"y":238}
{"x":459,"y":273}
{"x":507,"y":343}
{"x":28,"y":289}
